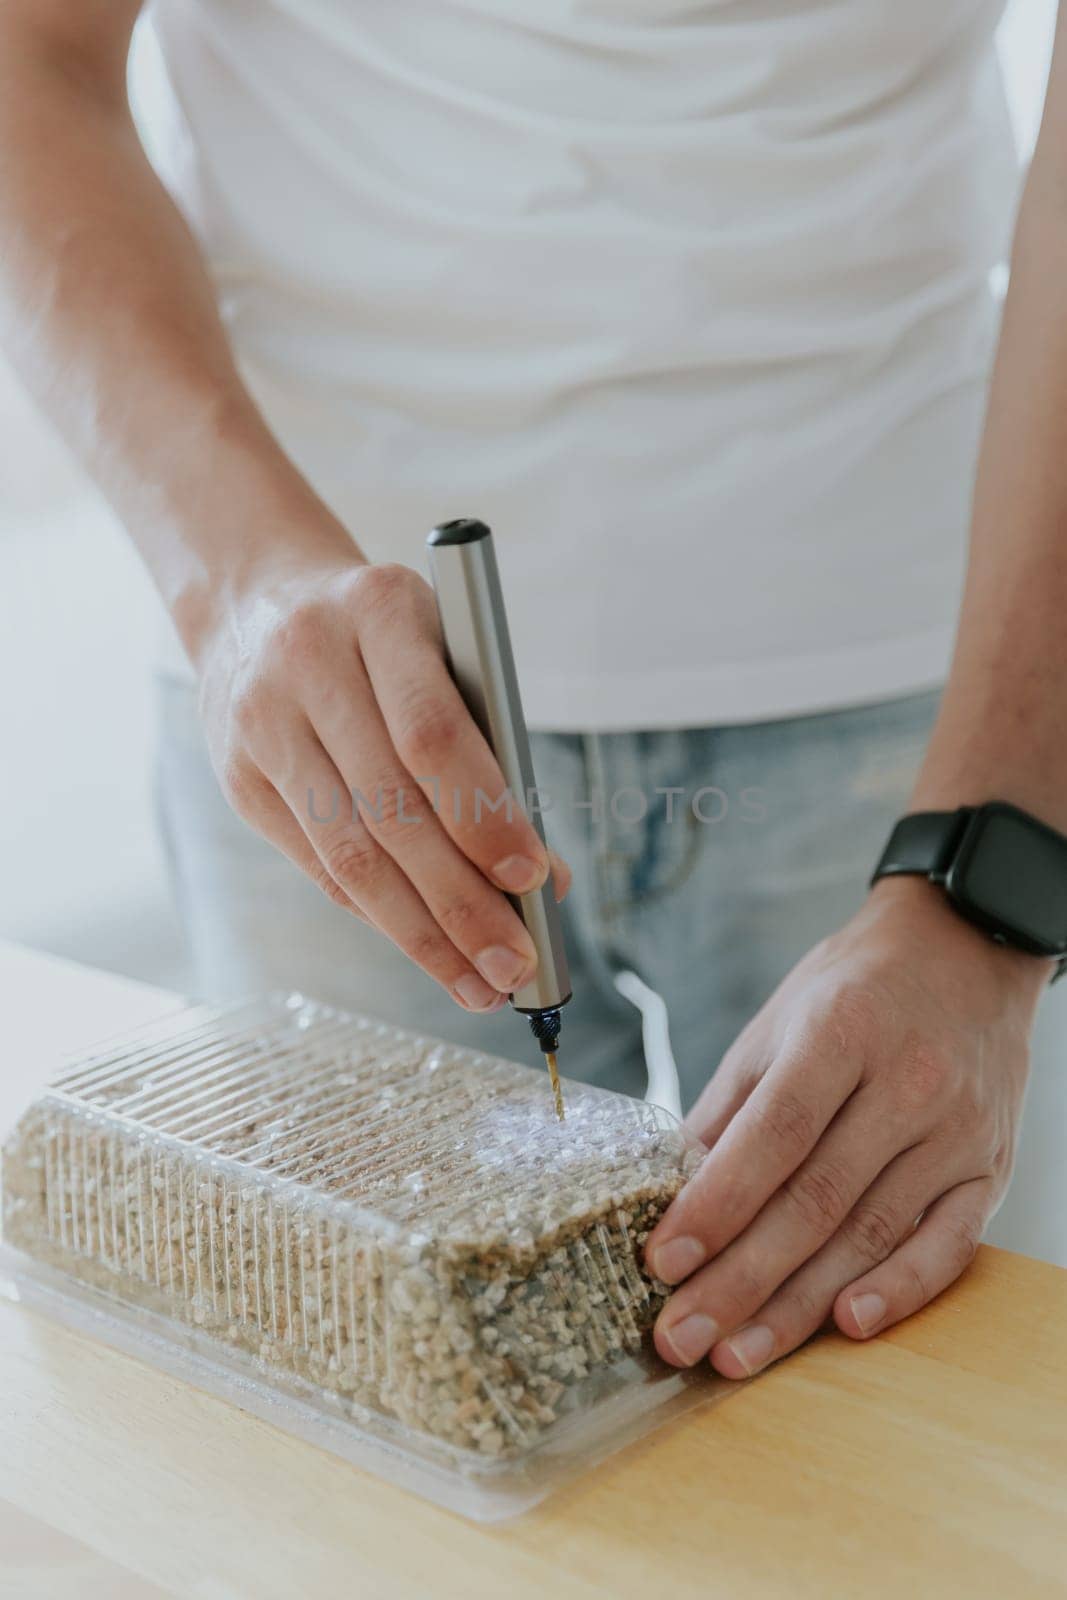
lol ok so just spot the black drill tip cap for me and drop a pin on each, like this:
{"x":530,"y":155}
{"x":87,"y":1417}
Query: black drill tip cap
{"x":461,"y":530}
{"x":545,"y":1027}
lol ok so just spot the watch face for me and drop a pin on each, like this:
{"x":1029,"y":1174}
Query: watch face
{"x":1012,"y":871}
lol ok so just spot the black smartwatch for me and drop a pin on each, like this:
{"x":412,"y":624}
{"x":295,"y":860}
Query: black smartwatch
{"x":1001,"y":869}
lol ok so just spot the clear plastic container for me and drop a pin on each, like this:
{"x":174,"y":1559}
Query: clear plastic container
{"x":386,"y":1244}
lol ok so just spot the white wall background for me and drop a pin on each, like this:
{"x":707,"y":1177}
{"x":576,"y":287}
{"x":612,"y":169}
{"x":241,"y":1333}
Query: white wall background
{"x":80,"y":868}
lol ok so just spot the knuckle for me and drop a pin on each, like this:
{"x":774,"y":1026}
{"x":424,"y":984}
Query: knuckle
{"x":300,"y":635}
{"x":963,"y":1236}
{"x":428,"y":729}
{"x":969,"y":1115}
{"x":820,"y":1194}
{"x":872,"y":1231}
{"x":238,"y":786}
{"x":915,"y":1290}
{"x":247,"y":712}
{"x":462,"y":920}
{"x":855,"y":1013}
{"x":395,"y":809}
{"x":803,"y":1309}
{"x":426,"y":949}
{"x":743,"y":1291}
{"x":1002,"y":1158}
{"x":382,"y":589}
{"x":789,"y":1121}
{"x":354,"y":860}
{"x":923,"y":1079}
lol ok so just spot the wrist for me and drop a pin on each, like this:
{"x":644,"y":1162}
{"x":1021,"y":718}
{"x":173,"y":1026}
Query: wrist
{"x":258,"y":527}
{"x":920,"y":914}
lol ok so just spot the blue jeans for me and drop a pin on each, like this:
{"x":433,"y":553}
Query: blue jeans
{"x":706,"y":860}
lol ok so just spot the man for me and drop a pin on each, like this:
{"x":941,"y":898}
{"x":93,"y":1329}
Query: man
{"x":692,"y":304}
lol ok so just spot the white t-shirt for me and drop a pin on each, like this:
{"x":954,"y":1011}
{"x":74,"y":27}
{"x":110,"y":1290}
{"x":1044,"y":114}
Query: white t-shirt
{"x":689,"y":299}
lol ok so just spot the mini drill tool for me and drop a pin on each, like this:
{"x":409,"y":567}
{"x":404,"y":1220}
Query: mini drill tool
{"x":474,"y":624}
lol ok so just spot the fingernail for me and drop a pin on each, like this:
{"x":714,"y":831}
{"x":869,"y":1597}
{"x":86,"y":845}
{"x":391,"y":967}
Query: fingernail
{"x":753,"y":1347}
{"x":868,"y":1310}
{"x":674,"y":1261}
{"x":691,"y":1338}
{"x":519,"y":873}
{"x":501,"y":967}
{"x":476,"y":994}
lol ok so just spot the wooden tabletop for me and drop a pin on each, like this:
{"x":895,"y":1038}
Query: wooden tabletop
{"x":931,"y":1462}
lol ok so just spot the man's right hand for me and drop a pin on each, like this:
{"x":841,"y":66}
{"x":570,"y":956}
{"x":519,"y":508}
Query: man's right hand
{"x":328,"y":680}
{"x":319,"y":674}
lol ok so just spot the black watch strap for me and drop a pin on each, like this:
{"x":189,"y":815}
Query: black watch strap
{"x":924,"y":842}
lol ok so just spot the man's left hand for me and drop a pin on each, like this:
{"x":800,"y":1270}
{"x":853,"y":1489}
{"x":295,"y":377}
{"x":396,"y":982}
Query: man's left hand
{"x":861,"y":1132}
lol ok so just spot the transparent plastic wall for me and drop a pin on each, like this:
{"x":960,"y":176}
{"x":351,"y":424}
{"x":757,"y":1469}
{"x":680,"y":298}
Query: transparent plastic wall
{"x":391,"y":1230}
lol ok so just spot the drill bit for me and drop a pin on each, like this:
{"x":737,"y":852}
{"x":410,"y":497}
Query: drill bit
{"x":557,"y":1090}
{"x":544,"y":1024}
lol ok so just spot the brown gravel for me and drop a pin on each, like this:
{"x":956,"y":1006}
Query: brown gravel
{"x":400,"y":1222}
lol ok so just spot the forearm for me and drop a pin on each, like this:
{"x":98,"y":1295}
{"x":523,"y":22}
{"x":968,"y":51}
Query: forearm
{"x":1002,"y":730}
{"x":110,"y":316}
